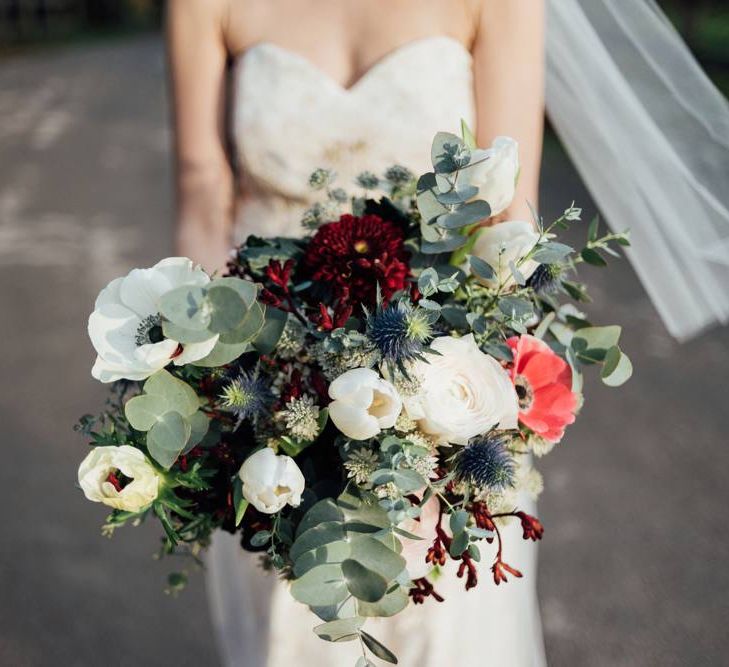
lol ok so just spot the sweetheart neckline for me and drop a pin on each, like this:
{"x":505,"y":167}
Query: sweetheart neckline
{"x":379,"y":64}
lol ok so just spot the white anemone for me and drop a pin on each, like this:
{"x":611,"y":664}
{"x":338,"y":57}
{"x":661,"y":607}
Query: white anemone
{"x":125,"y":325}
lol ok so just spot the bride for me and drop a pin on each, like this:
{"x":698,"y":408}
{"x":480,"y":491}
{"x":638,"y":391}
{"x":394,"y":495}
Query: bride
{"x":265,"y":91}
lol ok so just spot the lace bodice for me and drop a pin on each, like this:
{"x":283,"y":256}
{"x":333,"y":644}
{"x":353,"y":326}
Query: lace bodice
{"x":289,"y":118}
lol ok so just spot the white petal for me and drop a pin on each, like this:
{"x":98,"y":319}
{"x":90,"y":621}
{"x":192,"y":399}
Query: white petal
{"x":110,"y":294}
{"x":354,"y":422}
{"x":156,"y":355}
{"x":355,"y":386}
{"x":141,"y":291}
{"x":112,"y":329}
{"x":194,"y":351}
{"x":106,"y":372}
{"x":178,"y":271}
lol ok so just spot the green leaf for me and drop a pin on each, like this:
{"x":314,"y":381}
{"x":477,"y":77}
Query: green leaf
{"x":363,"y":662}
{"x":617,"y":369}
{"x":269,"y":335}
{"x":182,"y":335}
{"x":378,"y":649}
{"x":596,"y":338}
{"x":551,"y":252}
{"x":468,"y":214}
{"x":324,"y":533}
{"x":374,"y":555}
{"x":341,"y":630}
{"x":406,"y":480}
{"x":444,"y":244}
{"x":468,"y":136}
{"x":516,"y":308}
{"x":332,"y":553}
{"x":362,"y":582}
{"x":443,"y":144}
{"x":459,"y":195}
{"x":261,"y":538}
{"x":227,"y":309}
{"x":239,"y":502}
{"x":428,"y":206}
{"x":481,"y":268}
{"x":458,"y":521}
{"x":167,"y":438}
{"x":143,"y":411}
{"x":179,"y":395}
{"x":222,"y":354}
{"x":199,"y":424}
{"x":391,"y":604}
{"x":324,"y":510}
{"x":321,"y":586}
{"x":593,"y":257}
{"x":459,"y":544}
{"x":186,"y":307}
{"x":245,"y":289}
{"x":592,"y":230}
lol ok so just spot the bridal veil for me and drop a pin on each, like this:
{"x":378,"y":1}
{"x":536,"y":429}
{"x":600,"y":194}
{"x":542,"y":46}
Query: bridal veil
{"x":649,"y":134}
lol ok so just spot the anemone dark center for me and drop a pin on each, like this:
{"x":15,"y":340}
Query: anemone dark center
{"x":149,"y":331}
{"x":524,"y":392}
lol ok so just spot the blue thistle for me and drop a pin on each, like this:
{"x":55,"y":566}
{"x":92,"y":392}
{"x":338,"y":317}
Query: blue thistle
{"x":399,"y":332}
{"x":545,"y":279}
{"x":486,"y":463}
{"x":245,"y":396}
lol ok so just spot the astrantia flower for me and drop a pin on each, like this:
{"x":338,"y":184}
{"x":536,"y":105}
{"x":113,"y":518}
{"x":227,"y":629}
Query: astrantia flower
{"x":353,"y":255}
{"x":361,"y":464}
{"x":245,"y":396}
{"x":399,"y":332}
{"x":302,"y":418}
{"x":125,"y":327}
{"x":543,"y":383}
{"x":485,"y":462}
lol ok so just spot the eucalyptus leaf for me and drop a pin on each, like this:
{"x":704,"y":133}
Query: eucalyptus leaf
{"x":167,"y":438}
{"x":445,"y":145}
{"x":596,"y":338}
{"x":324,"y":510}
{"x":374,"y":555}
{"x":321,"y":586}
{"x":199,"y":424}
{"x":617,"y":369}
{"x":391,"y":604}
{"x":261,"y":538}
{"x":144,"y":410}
{"x":270,"y":333}
{"x":341,"y":630}
{"x":362,"y":582}
{"x":466,"y":215}
{"x":248,"y":328}
{"x":428,"y":206}
{"x":222,"y":354}
{"x":378,"y":649}
{"x":593,"y":257}
{"x":469,"y":138}
{"x":332,"y":553}
{"x":458,"y":521}
{"x":186,"y":306}
{"x":457,"y":195}
{"x":324,"y":533}
{"x":447,"y":244}
{"x":551,"y":252}
{"x":245,"y":289}
{"x":179,"y":395}
{"x":239,"y":502}
{"x":227,"y":309}
{"x":182,"y":335}
{"x":481,"y":268}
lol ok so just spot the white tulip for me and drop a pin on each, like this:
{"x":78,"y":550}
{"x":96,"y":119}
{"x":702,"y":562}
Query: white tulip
{"x":363,"y":403}
{"x":503,"y":243}
{"x":494,"y":171}
{"x":270,"y":482}
{"x":463,"y":392}
{"x":125,"y":325}
{"x":120,"y":477}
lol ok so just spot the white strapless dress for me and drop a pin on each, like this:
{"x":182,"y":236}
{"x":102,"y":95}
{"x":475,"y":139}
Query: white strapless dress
{"x":289,"y":118}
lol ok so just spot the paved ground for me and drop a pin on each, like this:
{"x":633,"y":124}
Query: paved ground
{"x":633,"y":569}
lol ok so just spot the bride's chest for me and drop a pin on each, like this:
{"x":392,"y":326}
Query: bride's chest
{"x":289,"y":118}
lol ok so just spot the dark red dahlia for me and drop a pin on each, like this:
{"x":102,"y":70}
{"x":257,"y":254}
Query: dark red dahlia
{"x":352,"y":255}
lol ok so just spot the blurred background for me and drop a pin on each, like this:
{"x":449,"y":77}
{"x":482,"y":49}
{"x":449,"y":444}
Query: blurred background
{"x":633,"y":567}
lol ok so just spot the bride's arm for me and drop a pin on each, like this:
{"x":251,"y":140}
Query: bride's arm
{"x":509,"y":78}
{"x":204,"y":191}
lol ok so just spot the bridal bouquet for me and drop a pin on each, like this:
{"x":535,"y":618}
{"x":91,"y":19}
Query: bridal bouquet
{"x":361,"y":405}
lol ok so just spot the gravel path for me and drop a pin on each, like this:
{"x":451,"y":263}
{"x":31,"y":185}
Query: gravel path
{"x":633,"y":565}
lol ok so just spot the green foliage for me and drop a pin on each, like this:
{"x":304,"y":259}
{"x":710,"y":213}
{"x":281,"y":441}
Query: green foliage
{"x":168,"y":411}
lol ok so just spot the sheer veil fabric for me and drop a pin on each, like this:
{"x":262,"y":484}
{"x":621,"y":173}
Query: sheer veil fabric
{"x":649,"y":134}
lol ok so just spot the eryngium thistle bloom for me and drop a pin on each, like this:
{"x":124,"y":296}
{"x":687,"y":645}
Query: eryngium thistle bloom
{"x":485,"y":462}
{"x":245,"y":396}
{"x":545,"y":279}
{"x":399,"y":175}
{"x":399,"y":332}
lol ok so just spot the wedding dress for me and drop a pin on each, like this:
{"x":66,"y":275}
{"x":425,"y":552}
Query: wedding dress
{"x":288,"y":118}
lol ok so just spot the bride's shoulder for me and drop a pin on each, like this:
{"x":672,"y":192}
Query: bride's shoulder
{"x":203,"y":12}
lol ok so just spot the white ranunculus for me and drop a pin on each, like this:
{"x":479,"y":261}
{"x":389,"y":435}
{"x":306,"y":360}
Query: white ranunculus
{"x":363,"y":403}
{"x":463,"y":392}
{"x":120,"y":477}
{"x":503,"y":243}
{"x":125,"y":325}
{"x":270,"y":482}
{"x":494,"y":171}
